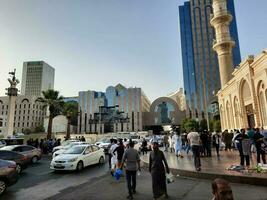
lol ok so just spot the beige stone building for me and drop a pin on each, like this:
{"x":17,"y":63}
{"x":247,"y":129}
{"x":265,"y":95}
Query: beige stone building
{"x":29,"y":113}
{"x":243,"y":100}
{"x":179,"y":97}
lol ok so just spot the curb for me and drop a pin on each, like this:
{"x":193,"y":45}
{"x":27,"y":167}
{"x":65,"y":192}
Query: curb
{"x":211,"y":176}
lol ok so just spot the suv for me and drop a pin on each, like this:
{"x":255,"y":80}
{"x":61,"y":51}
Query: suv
{"x":8,"y":174}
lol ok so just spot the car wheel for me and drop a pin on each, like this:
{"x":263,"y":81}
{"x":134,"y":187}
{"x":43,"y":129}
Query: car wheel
{"x":3,"y":186}
{"x":34,"y":159}
{"x":79,"y":166}
{"x":101,"y":160}
{"x":18,"y":168}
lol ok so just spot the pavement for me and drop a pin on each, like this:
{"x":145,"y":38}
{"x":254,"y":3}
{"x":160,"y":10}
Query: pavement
{"x":107,"y":188}
{"x":212,"y":167}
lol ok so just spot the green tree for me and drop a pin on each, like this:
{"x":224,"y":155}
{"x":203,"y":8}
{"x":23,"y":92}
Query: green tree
{"x":203,"y":125}
{"x":54,"y":102}
{"x":70,"y":110}
{"x":189,"y":124}
{"x":217,"y":125}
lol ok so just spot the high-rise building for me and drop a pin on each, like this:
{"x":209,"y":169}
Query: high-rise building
{"x":200,"y":63}
{"x":179,"y":97}
{"x":118,"y":109}
{"x":37,"y":76}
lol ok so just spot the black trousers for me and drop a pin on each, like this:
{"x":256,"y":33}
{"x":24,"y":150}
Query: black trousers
{"x":109,"y":160}
{"x":244,"y":158}
{"x":261,"y":155}
{"x":131,"y":181}
{"x":217,"y":146}
{"x":196,"y":154}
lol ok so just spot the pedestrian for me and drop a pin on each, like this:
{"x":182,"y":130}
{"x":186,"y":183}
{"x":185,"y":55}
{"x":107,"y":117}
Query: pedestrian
{"x":221,"y":190}
{"x":217,"y":142}
{"x":114,"y":156}
{"x":178,"y":145}
{"x":144,"y":146}
{"x":258,"y":140}
{"x":166,"y":142}
{"x":36,"y":143}
{"x":132,"y":160}
{"x":158,"y":167}
{"x":171,"y":143}
{"x":120,"y":151}
{"x":244,"y":147}
{"x":204,"y":142}
{"x":109,"y":153}
{"x":194,"y":139}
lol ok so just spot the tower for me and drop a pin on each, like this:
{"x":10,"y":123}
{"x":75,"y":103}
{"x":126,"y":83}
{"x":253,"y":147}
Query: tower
{"x":223,"y":44}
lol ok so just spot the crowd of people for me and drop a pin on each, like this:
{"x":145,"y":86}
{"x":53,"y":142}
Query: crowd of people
{"x":45,"y":145}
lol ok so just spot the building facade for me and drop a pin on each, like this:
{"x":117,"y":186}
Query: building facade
{"x":179,"y":97}
{"x":29,"y":113}
{"x":37,"y":76}
{"x":243,"y":100}
{"x":200,"y":63}
{"x":118,"y":109}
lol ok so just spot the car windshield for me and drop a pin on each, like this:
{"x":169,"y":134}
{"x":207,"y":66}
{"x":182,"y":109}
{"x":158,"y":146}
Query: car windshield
{"x":65,"y":143}
{"x":75,"y":150}
{"x":104,"y":140}
{"x":7,"y":148}
{"x":133,"y":137}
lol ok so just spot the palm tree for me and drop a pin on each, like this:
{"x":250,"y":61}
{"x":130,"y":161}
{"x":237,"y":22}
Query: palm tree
{"x":70,"y":110}
{"x":54,"y":102}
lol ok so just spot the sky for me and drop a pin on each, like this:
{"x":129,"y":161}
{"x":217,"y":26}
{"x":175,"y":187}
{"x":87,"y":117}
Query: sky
{"x":93,"y":44}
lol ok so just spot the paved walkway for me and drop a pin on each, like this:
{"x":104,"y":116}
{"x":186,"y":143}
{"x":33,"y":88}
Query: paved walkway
{"x":211,"y":165}
{"x":107,"y":188}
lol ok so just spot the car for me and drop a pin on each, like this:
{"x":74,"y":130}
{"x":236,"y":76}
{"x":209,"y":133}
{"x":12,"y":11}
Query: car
{"x":104,"y":143}
{"x":8,"y":174}
{"x":19,"y":135}
{"x":65,"y":143}
{"x":58,"y":152}
{"x":78,"y":157}
{"x":32,"y":153}
{"x":134,"y":137}
{"x":20,"y":160}
{"x":2,"y":143}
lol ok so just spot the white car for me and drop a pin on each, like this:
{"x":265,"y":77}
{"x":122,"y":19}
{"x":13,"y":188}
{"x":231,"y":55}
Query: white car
{"x":78,"y":157}
{"x":65,"y":143}
{"x":104,"y":144}
{"x":60,"y":151}
{"x":2,"y":143}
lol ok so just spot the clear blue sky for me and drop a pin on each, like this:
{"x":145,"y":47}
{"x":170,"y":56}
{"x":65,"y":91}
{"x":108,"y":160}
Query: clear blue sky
{"x":96,"y":43}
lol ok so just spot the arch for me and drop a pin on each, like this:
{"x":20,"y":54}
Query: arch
{"x":262,"y":102}
{"x":237,"y":112}
{"x":228,"y":113}
{"x":25,"y":100}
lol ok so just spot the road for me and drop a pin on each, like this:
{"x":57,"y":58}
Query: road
{"x":38,"y":182}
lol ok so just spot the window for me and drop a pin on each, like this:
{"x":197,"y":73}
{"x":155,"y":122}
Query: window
{"x":88,"y":150}
{"x":27,"y":148}
{"x":94,"y":148}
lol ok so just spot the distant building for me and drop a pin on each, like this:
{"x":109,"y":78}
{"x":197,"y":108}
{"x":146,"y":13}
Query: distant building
{"x":200,"y":64}
{"x":60,"y":124}
{"x":37,"y":76}
{"x":29,"y":113}
{"x":71,"y":99}
{"x":179,"y":97}
{"x":119,"y":109}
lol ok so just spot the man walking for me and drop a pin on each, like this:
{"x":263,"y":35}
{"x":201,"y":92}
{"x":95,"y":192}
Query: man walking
{"x":194,"y":140}
{"x":132,"y":160}
{"x":258,"y":140}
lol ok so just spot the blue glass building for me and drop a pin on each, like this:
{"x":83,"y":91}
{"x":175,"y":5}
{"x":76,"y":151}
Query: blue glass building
{"x":200,"y":64}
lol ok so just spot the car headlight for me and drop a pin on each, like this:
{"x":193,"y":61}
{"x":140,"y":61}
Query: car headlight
{"x":72,"y":160}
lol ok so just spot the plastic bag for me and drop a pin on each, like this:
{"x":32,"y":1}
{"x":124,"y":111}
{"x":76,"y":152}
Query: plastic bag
{"x":118,"y":174}
{"x":169,"y":178}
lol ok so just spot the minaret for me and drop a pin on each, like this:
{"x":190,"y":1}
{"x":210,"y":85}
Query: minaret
{"x":223,"y":45}
{"x":12,"y":92}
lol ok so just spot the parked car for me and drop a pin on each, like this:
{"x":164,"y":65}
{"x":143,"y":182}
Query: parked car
{"x":65,"y":143}
{"x":19,"y":135}
{"x":8,"y":174}
{"x":21,"y":160}
{"x":104,"y":144}
{"x":2,"y":143}
{"x":65,"y":148}
{"x":78,"y":157}
{"x":32,"y":153}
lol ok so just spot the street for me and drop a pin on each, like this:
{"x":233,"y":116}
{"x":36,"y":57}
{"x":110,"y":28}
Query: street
{"x":38,"y":182}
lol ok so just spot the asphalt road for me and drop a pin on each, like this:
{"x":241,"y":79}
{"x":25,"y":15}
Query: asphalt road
{"x":39,"y":182}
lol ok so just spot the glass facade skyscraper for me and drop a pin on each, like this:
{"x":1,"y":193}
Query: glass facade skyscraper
{"x":200,"y":64}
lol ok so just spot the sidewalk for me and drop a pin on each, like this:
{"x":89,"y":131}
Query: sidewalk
{"x":213,"y":167}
